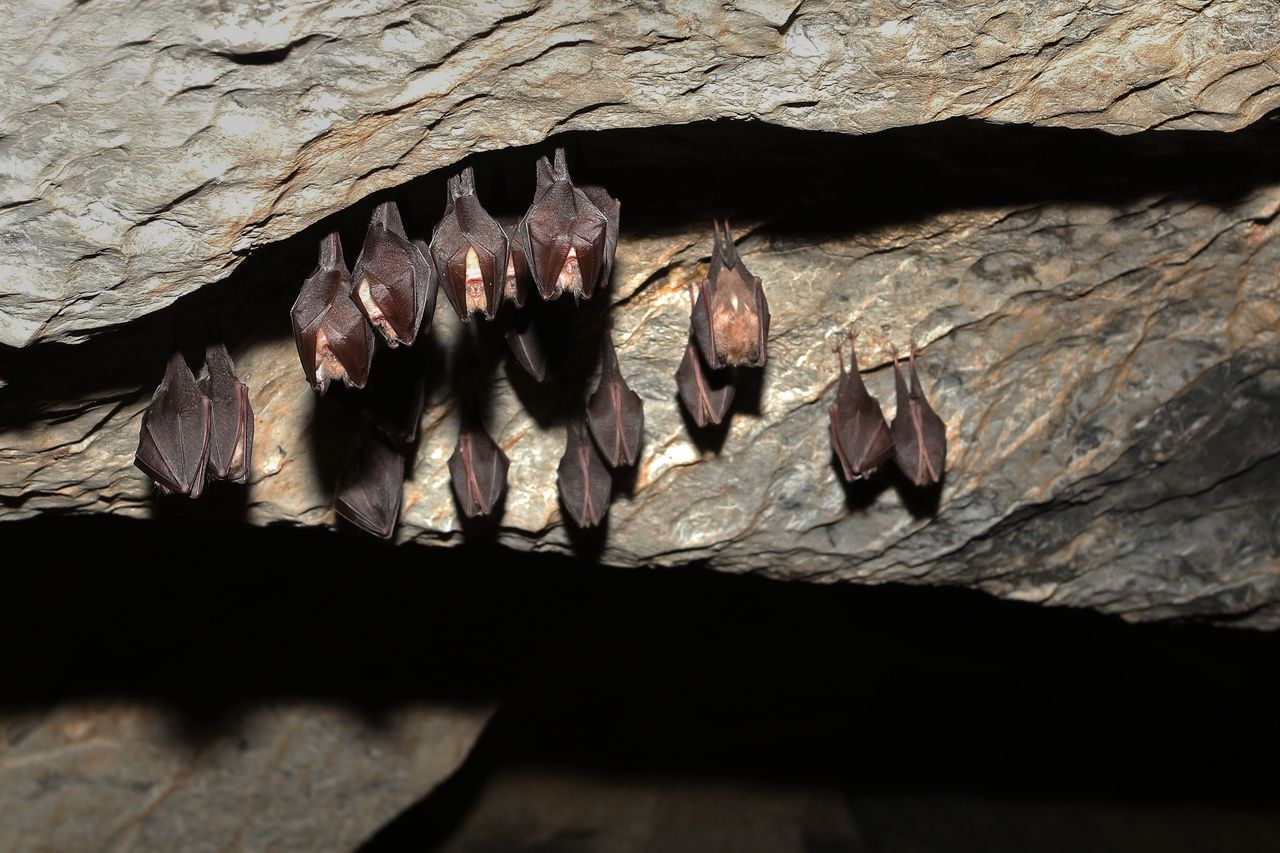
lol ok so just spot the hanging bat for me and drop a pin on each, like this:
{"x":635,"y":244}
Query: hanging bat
{"x":584,"y":480}
{"x":919,"y":435}
{"x":707,"y":395}
{"x":174,"y":444}
{"x":369,"y":490}
{"x":615,"y":413}
{"x":515,"y":287}
{"x":478,"y":469}
{"x":469,"y":248}
{"x":395,"y":284}
{"x":730,"y":315}
{"x":231,"y":417}
{"x":525,"y":341}
{"x":568,"y":235}
{"x":334,"y":338}
{"x":859,"y":434}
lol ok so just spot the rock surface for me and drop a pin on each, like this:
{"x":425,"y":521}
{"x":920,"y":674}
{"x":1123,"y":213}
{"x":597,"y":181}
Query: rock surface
{"x":147,"y":153}
{"x":289,"y":777}
{"x":1101,"y":341}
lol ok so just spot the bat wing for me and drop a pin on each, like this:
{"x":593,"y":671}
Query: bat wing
{"x":334,"y":340}
{"x":525,"y":342}
{"x":762,"y":312}
{"x":174,"y":444}
{"x":919,"y":435}
{"x":862,"y":438}
{"x":369,"y":490}
{"x":707,"y":396}
{"x":615,"y":414}
{"x":518,"y":279}
{"x":478,"y":470}
{"x":703,"y":327}
{"x":612,"y":210}
{"x":231,"y":417}
{"x":469,"y":248}
{"x":546,"y":240}
{"x":385,"y":278}
{"x":584,"y":480}
{"x":426,"y":284}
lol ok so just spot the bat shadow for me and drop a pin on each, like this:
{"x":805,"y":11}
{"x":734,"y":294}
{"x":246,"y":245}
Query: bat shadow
{"x":481,"y":529}
{"x":748,"y":389}
{"x":221,"y":502}
{"x":711,"y":437}
{"x":920,"y":501}
{"x":860,"y":494}
{"x":331,"y":424}
{"x":624,"y":479}
{"x":587,"y":543}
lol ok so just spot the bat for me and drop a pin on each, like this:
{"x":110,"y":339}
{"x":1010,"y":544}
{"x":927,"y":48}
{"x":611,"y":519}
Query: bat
{"x":569,"y":235}
{"x":919,"y":435}
{"x":515,"y":287}
{"x":525,"y":342}
{"x":334,"y":339}
{"x":469,"y":249}
{"x":395,"y":284}
{"x":707,"y":395}
{"x":478,"y":469}
{"x":615,"y":413}
{"x":369,"y":489}
{"x":174,"y":445}
{"x":584,"y":480}
{"x":859,"y":434}
{"x":230,"y":417}
{"x":730,"y":316}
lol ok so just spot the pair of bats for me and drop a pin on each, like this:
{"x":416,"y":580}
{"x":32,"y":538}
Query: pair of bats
{"x":729,"y":328}
{"x":863,"y":440}
{"x":608,"y":436}
{"x":197,"y":429}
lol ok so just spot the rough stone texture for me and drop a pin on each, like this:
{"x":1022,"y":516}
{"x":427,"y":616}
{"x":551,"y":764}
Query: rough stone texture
{"x":148,"y":151}
{"x":287,"y":777}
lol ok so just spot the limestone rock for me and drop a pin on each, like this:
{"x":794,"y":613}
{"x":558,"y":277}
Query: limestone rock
{"x":147,"y":152}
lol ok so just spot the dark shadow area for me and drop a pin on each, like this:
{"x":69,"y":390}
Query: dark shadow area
{"x":924,"y":708}
{"x":862,"y":493}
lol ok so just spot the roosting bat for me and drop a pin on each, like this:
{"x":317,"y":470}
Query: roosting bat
{"x":369,"y":490}
{"x":585,"y":483}
{"x":707,"y":395}
{"x":231,"y":417}
{"x":859,"y":434}
{"x":174,"y":443}
{"x":334,"y":338}
{"x":478,"y":469}
{"x":615,"y":413}
{"x":919,"y":435}
{"x":469,"y":248}
{"x":515,"y":287}
{"x":730,"y":315}
{"x":525,"y":341}
{"x":395,"y":284}
{"x":568,"y":235}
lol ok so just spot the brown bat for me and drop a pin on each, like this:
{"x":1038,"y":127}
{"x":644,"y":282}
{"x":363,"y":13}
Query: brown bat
{"x":469,"y":249}
{"x":231,"y":417}
{"x":174,"y":444}
{"x":333,"y":337}
{"x":525,"y":341}
{"x":615,"y":413}
{"x":730,"y":315}
{"x":518,"y":280}
{"x":859,"y":434}
{"x":569,"y":235}
{"x":707,"y":395}
{"x":585,"y":483}
{"x":395,"y":284}
{"x":919,"y":435}
{"x":370,"y":486}
{"x":478,"y":469}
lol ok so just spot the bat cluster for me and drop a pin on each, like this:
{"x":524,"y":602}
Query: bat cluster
{"x":197,"y":429}
{"x":863,"y":440}
{"x":728,"y":328}
{"x":564,"y":243}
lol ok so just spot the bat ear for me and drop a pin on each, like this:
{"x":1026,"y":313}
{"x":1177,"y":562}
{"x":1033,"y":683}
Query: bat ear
{"x":331,"y":252}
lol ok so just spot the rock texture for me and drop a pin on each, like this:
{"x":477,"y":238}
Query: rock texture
{"x":148,"y":152}
{"x":287,"y":777}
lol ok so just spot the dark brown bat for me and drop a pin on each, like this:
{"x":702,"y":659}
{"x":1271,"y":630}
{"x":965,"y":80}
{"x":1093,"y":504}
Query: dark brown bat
{"x":478,"y":469}
{"x":174,"y":444}
{"x":518,"y":280}
{"x":370,"y":486}
{"x":615,"y":413}
{"x":568,"y":235}
{"x":859,"y":434}
{"x":334,"y":339}
{"x":525,"y":341}
{"x":706,"y":394}
{"x":231,"y":417}
{"x":730,"y":315}
{"x":395,"y":284}
{"x":584,"y":479}
{"x":919,"y":435}
{"x":469,"y":248}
